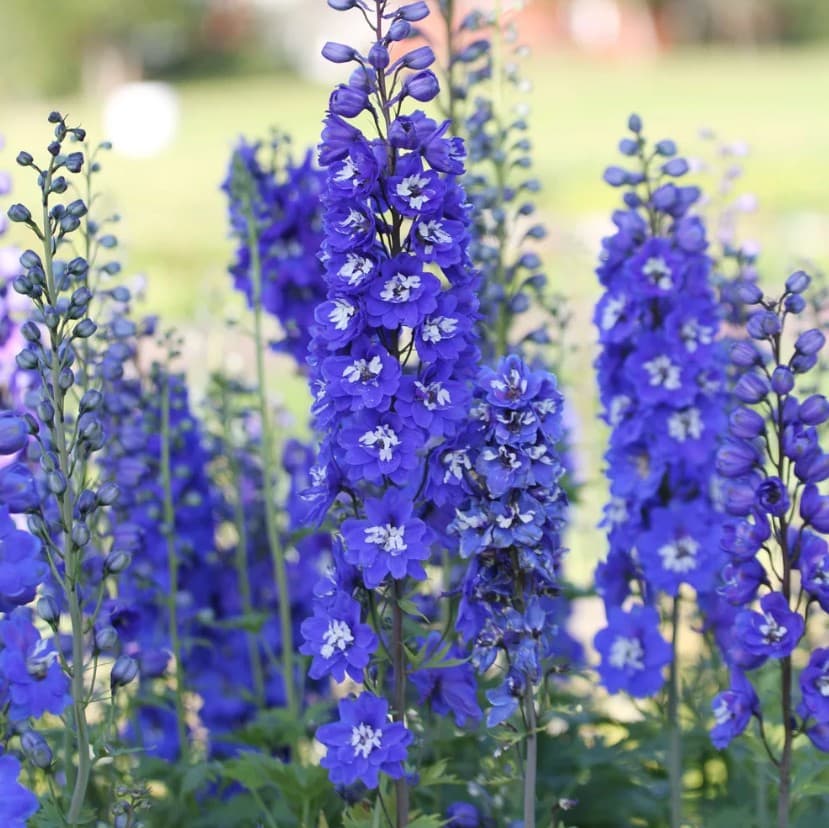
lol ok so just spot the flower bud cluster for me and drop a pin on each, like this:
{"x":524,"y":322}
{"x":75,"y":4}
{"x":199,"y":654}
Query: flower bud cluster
{"x":661,"y":382}
{"x":777,"y":559}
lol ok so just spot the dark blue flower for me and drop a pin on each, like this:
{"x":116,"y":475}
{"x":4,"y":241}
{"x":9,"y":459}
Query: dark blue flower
{"x":633,"y":651}
{"x":363,"y":743}
{"x":774,"y":633}
{"x":733,"y":710}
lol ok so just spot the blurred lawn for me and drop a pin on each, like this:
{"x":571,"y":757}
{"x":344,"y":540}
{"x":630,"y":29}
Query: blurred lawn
{"x":174,"y":229}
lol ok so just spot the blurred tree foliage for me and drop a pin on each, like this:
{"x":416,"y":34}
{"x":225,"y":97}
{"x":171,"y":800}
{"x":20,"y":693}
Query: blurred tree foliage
{"x":53,"y":47}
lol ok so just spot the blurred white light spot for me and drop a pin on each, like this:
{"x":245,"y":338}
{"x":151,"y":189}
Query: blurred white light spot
{"x":595,"y":23}
{"x":141,"y":119}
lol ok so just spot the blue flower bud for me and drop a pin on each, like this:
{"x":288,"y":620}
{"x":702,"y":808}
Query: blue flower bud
{"x":782,"y":380}
{"x":666,"y":148}
{"x":616,"y":176}
{"x":46,"y":411}
{"x":399,"y":30}
{"x":634,"y":123}
{"x":422,"y":87}
{"x":19,"y":212}
{"x":675,"y":167}
{"x":420,"y":58}
{"x":338,"y":52}
{"x":347,"y":101}
{"x":810,"y":342}
{"x":25,"y":159}
{"x":74,"y":162}
{"x":736,"y":458}
{"x":803,"y":363}
{"x":80,"y":534}
{"x":107,"y":494}
{"x":412,"y":11}
{"x":763,"y":324}
{"x":117,"y":561}
{"x":814,"y":508}
{"x":746,"y":423}
{"x":56,"y":482}
{"x":84,"y":329}
{"x":814,"y":468}
{"x":378,"y":56}
{"x":628,"y":146}
{"x":814,"y":410}
{"x":106,"y":638}
{"x":749,"y":293}
{"x":14,"y":433}
{"x":36,"y":749}
{"x":123,"y":672}
{"x":738,"y":498}
{"x":798,"y":282}
{"x":794,"y":303}
{"x":55,"y":117}
{"x":48,"y":610}
{"x":751,"y":388}
{"x":342,"y":5}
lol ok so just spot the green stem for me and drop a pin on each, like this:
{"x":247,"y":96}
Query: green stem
{"x":674,"y":731}
{"x":531,"y":757}
{"x":267,"y":454}
{"x":172,"y":565}
{"x":399,"y":668}
{"x":241,"y":558}
{"x":71,"y":555}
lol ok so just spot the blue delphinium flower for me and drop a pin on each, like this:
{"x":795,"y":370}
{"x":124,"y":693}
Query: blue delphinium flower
{"x":363,"y":742}
{"x":774,"y":539}
{"x":393,"y":346}
{"x":661,"y":378}
{"x":284,"y":198}
{"x":17,"y":803}
{"x":509,"y":525}
{"x":733,"y":710}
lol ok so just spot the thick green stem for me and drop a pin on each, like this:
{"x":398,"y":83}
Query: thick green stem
{"x":399,"y":668}
{"x":267,"y":453}
{"x":530,"y":757}
{"x":172,"y":566}
{"x":71,"y":554}
{"x":674,"y":730}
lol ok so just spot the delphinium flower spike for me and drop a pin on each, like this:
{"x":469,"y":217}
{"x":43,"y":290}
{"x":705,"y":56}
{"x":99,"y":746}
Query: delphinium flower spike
{"x":777,"y":561}
{"x":661,"y":381}
{"x":392,"y":355}
{"x":67,"y":507}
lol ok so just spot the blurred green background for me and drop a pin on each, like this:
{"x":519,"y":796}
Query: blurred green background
{"x":753,"y":71}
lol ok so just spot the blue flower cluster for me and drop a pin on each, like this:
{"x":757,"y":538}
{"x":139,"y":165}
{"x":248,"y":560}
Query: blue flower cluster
{"x":393,"y":354}
{"x":279,"y":203}
{"x":510,"y":525}
{"x":661,"y":379}
{"x":777,"y":559}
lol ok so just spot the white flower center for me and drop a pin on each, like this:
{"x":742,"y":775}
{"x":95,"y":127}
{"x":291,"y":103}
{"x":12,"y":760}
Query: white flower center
{"x":411,"y":189}
{"x":433,"y":396}
{"x":355,"y":269}
{"x":431,"y":233}
{"x":627,"y":653}
{"x":337,"y":637}
{"x":619,"y":406}
{"x":663,"y":372}
{"x":612,"y":312}
{"x":514,"y":515}
{"x":693,"y":335}
{"x":456,"y":463}
{"x":722,"y":713}
{"x":364,"y":739}
{"x":822,"y":685}
{"x":438,"y":328}
{"x":658,"y":273}
{"x":617,"y":510}
{"x":388,"y":536}
{"x":347,"y":172}
{"x":685,"y":424}
{"x":512,"y":385}
{"x":365,"y":371}
{"x":399,"y":288}
{"x":772,"y":632}
{"x":681,"y":555}
{"x":383,"y":439}
{"x":341,"y":314}
{"x":355,"y":219}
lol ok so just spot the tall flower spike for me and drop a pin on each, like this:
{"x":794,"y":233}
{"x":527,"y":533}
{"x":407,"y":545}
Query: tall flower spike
{"x":777,"y":564}
{"x":393,"y":349}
